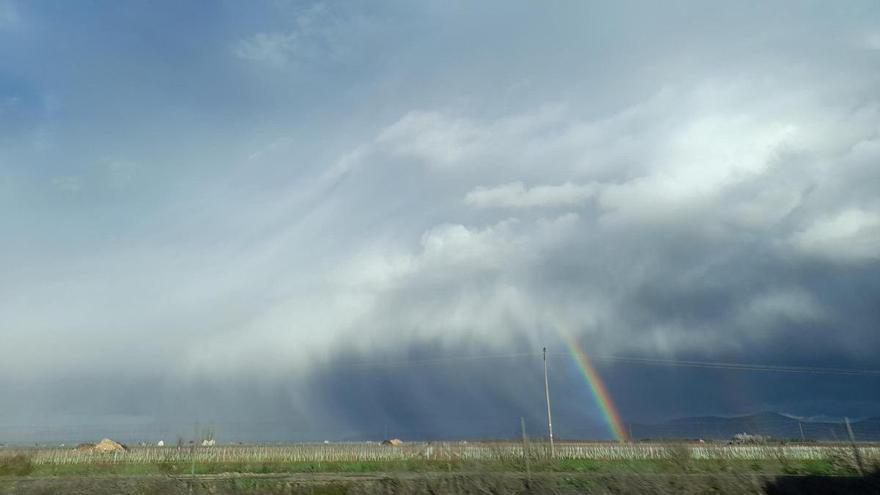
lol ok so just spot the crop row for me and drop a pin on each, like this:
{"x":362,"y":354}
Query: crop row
{"x":440,"y":451}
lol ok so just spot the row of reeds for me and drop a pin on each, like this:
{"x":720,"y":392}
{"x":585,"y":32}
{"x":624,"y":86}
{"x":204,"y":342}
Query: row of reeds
{"x":439,"y":451}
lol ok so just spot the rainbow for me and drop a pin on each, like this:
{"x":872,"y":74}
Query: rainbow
{"x":597,"y":386}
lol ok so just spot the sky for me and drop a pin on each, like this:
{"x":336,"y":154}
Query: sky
{"x":297,"y":220}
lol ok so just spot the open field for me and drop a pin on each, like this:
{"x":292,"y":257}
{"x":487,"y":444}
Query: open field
{"x":442,"y":483}
{"x":442,"y":467}
{"x":442,"y":451}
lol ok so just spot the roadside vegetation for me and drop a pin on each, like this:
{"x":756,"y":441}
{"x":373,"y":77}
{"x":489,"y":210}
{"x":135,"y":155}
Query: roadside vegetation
{"x":677,"y":470}
{"x":21,"y":466}
{"x":448,"y":457}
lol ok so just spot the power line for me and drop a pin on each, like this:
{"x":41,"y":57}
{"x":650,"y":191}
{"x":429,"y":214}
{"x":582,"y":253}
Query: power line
{"x":740,"y":366}
{"x":621,"y":359}
{"x":427,"y":362}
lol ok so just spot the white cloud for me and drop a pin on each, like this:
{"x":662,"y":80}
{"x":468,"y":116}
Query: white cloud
{"x":447,"y":141}
{"x":120,"y":173}
{"x":516,"y":195}
{"x":767,"y":308}
{"x":705,"y":154}
{"x":872,"y":41}
{"x":690,"y":175}
{"x":272,"y":48}
{"x":318,"y":34}
{"x":658,"y":193}
{"x":766,"y":207}
{"x":411,"y":223}
{"x":851,"y":235}
{"x":433,"y":137}
{"x":685,"y":161}
{"x":688,"y":150}
{"x":67,"y":184}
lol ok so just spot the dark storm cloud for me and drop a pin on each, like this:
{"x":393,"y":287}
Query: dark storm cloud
{"x":216,"y":215}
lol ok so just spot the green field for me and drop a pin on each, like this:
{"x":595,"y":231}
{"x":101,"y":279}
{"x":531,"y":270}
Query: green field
{"x":455,"y":467}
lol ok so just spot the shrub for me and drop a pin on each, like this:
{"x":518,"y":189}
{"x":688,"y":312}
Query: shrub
{"x":166,"y":467}
{"x":679,"y":456}
{"x":16,"y":465}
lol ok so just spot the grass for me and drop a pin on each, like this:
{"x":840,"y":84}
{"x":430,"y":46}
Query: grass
{"x":440,"y":451}
{"x":579,"y":466}
{"x":16,"y":465}
{"x":429,"y":468}
{"x":677,"y":473}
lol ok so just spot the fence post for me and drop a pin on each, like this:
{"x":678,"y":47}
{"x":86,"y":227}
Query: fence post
{"x":525,"y":442}
{"x":852,"y":441}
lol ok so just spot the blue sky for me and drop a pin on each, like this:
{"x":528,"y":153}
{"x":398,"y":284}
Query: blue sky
{"x":208,"y":196}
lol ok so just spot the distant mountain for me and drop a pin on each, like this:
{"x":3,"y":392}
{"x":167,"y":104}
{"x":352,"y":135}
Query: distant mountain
{"x":772,"y":424}
{"x":867,"y":429}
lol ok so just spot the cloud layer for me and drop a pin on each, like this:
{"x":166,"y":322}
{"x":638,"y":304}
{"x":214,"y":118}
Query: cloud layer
{"x":308,"y":186}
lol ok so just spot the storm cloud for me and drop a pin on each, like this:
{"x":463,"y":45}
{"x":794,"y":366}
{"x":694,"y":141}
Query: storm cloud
{"x":284,"y":217}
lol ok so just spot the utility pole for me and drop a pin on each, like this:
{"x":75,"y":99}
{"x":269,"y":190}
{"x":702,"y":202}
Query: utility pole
{"x":547,"y":396}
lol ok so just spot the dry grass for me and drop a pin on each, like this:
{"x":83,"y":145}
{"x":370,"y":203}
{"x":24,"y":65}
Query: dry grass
{"x":441,"y":451}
